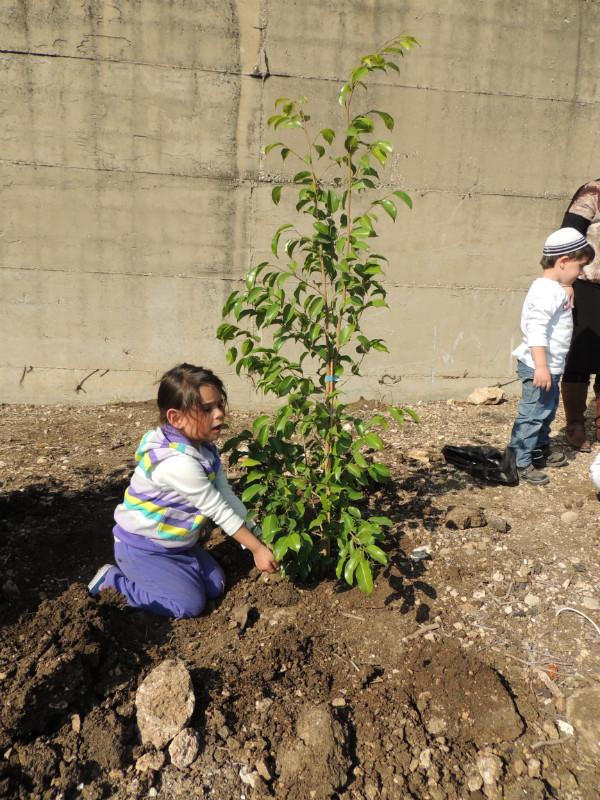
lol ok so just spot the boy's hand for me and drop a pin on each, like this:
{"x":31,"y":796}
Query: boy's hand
{"x":542,"y":378}
{"x":264,"y":560}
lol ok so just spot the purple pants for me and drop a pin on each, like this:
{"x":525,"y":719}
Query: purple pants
{"x":169,"y":583}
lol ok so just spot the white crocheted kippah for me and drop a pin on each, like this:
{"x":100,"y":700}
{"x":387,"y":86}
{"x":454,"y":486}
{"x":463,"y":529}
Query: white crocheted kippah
{"x":564,"y":241}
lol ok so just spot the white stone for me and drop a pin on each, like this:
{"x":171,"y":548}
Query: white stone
{"x":490,"y":768}
{"x":565,"y":728}
{"x":425,"y":758}
{"x":532,"y":600}
{"x":591,"y":603}
{"x":249,"y":777}
{"x":568,"y":517}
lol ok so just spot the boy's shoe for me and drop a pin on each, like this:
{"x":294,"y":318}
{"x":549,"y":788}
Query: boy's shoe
{"x":542,"y":457}
{"x":530,"y":474}
{"x":96,"y":585}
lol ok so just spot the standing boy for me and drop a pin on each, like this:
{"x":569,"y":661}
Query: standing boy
{"x":547,"y":325}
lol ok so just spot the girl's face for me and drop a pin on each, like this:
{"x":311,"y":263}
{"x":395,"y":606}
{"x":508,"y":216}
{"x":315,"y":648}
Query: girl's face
{"x":202,"y":425}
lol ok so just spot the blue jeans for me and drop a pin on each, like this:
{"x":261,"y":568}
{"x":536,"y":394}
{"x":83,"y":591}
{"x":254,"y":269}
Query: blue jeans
{"x":536,"y":413}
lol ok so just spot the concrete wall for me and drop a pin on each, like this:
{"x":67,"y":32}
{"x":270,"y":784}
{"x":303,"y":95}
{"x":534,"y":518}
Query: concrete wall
{"x":135,"y":193}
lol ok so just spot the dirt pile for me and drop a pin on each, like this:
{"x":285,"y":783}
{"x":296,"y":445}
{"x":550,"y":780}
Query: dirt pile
{"x":454,"y":679}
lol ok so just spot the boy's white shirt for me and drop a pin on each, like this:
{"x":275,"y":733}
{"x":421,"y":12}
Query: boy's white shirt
{"x":595,"y":471}
{"x":546,"y":321}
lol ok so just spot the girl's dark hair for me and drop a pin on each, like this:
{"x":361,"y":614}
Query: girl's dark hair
{"x":179,"y":388}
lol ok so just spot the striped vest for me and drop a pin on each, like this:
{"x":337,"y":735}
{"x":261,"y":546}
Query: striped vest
{"x":162,"y":516}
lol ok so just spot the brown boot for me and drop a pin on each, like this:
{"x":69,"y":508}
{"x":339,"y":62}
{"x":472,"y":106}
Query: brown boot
{"x":574,"y":397}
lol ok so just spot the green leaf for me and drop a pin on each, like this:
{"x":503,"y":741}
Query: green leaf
{"x":388,"y":121}
{"x":250,"y":462}
{"x":373,"y":441}
{"x":364,"y":576}
{"x":280,"y":548}
{"x":269,"y":525}
{"x":232,"y":355}
{"x":377,"y":554}
{"x":351,"y":566}
{"x":353,"y":469}
{"x":389,"y":207}
{"x":276,"y":194}
{"x":259,"y":422}
{"x":252,"y":491}
{"x":328,"y":135}
{"x":381,"y":521}
{"x":404,"y":197}
{"x":360,"y":460}
{"x":343,"y":94}
{"x":345,"y":333}
{"x":270,"y":147}
{"x":278,"y":232}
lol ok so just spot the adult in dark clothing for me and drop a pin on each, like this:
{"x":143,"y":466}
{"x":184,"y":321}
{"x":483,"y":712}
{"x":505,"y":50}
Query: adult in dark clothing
{"x":583,"y":359}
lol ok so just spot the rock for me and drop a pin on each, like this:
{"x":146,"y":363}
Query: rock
{"x":419,"y":455}
{"x":263,"y":770}
{"x":487,"y":395}
{"x":153,"y":761}
{"x":583,"y":713}
{"x":568,"y":517}
{"x":565,"y":728}
{"x":249,"y":776}
{"x":528,"y":788}
{"x":531,"y":600}
{"x":436,"y":725}
{"x":10,"y":591}
{"x":318,"y":758}
{"x":591,"y":603}
{"x":534,"y":768}
{"x":164,"y":703}
{"x":497,"y":523}
{"x":263,"y":705}
{"x":425,"y":759}
{"x":184,"y":748}
{"x":461,"y":518}
{"x":490,"y":768}
{"x":240,"y":615}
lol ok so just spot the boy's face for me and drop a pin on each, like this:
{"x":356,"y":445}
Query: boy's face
{"x":571,"y":270}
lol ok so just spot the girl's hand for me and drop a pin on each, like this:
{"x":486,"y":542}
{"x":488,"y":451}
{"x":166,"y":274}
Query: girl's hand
{"x":264,"y":560}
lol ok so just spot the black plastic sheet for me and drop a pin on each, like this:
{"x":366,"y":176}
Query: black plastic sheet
{"x":484,"y":462}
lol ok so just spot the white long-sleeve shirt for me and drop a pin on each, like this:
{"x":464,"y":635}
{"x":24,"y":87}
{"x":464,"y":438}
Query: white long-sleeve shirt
{"x":546,"y":321}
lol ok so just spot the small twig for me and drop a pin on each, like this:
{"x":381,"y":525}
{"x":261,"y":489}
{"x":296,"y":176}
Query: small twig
{"x":581,"y":614}
{"x":425,"y":629}
{"x":352,"y":616}
{"x":549,"y":683}
{"x":550,"y":742}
